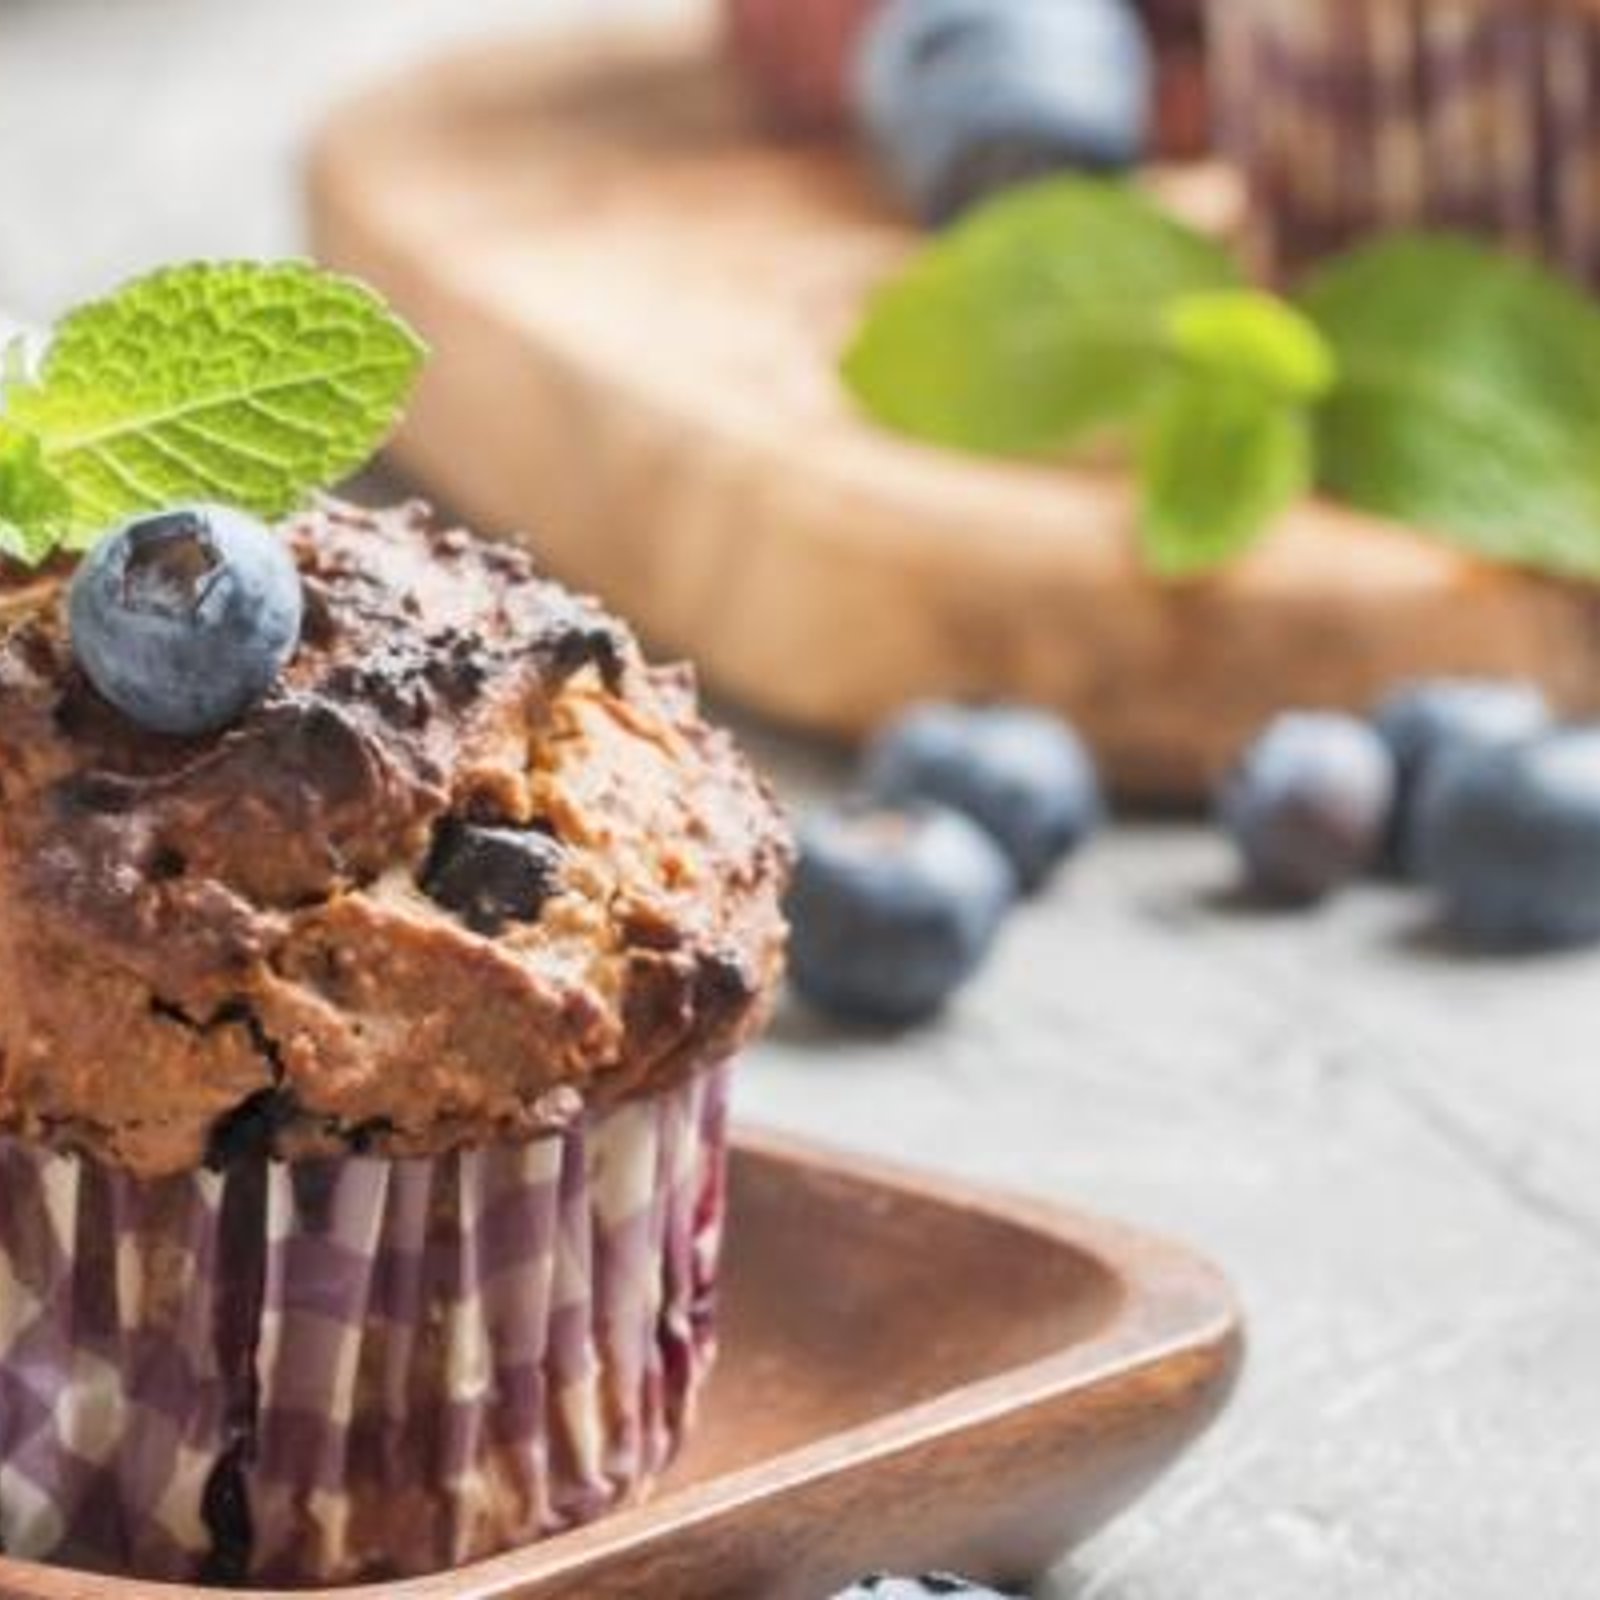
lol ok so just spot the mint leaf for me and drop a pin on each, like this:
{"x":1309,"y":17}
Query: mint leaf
{"x":1253,"y":335}
{"x":1033,"y":323}
{"x":1229,"y":446}
{"x":13,"y":359}
{"x":1468,"y":401}
{"x":1223,"y":457}
{"x":34,"y":505}
{"x":241,"y":382}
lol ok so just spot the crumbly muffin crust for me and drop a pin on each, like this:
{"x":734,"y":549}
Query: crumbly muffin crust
{"x":226,"y":944}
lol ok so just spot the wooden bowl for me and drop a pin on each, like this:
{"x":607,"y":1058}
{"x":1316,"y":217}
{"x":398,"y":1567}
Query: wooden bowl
{"x":636,"y":300}
{"x":916,"y":1374}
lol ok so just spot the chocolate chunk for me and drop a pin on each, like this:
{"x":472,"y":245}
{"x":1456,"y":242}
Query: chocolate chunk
{"x":723,"y":983}
{"x":249,"y":1131}
{"x":459,"y":663}
{"x":584,"y":638}
{"x":492,"y":876}
{"x":395,"y":685}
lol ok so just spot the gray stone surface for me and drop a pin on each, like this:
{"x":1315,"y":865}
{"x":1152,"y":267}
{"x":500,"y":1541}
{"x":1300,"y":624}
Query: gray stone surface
{"x":1393,"y":1150}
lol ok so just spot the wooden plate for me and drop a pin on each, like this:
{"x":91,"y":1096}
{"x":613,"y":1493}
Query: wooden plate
{"x":915,"y":1375}
{"x":636,"y":298}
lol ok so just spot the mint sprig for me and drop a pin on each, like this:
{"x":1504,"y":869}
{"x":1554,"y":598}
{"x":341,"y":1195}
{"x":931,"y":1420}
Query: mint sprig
{"x":1036,"y":323}
{"x":1426,"y":378}
{"x":35,"y":507}
{"x":1469,"y":399}
{"x":247,"y":383}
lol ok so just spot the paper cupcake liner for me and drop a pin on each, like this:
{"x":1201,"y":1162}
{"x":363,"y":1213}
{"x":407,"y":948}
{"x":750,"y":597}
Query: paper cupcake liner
{"x":1355,"y":116}
{"x":354,"y":1369}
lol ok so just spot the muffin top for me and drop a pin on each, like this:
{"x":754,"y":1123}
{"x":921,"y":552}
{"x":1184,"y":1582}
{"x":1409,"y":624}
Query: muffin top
{"x":470,"y":866}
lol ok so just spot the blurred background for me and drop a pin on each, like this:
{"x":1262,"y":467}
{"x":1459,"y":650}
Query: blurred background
{"x":164,"y":129}
{"x":1390,"y":1147}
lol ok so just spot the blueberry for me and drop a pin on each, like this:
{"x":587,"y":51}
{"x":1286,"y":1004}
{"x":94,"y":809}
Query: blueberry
{"x":935,"y":1586}
{"x":1509,"y":836}
{"x":492,"y":876}
{"x":1426,"y":722}
{"x":1022,"y":775}
{"x":892,"y":910}
{"x":1308,"y":805}
{"x":963,"y":98}
{"x":184,"y":620}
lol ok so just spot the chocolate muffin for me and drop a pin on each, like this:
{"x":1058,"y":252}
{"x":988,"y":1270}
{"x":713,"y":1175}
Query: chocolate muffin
{"x":361,"y":1076}
{"x":1351,"y":117}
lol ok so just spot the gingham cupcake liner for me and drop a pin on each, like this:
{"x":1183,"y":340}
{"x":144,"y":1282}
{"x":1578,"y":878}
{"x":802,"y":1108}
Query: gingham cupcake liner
{"x":1350,"y":117}
{"x":355,"y":1369}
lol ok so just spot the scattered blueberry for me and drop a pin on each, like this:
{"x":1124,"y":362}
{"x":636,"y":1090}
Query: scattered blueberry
{"x":963,"y":98}
{"x":892,"y":910}
{"x":1022,"y":775}
{"x":1426,"y":722}
{"x":1509,"y":836}
{"x":936,"y":1586}
{"x":184,"y":620}
{"x":492,"y":876}
{"x":1309,"y":804}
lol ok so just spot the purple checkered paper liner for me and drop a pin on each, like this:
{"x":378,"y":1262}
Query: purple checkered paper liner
{"x":355,"y":1369}
{"x":1353,"y":115}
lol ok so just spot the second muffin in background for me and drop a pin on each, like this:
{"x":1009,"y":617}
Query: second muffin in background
{"x":1351,"y":117}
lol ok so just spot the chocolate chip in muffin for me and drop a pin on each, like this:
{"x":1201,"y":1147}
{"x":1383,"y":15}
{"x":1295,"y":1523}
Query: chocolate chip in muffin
{"x":492,"y":876}
{"x":249,"y":1131}
{"x":583,"y":638}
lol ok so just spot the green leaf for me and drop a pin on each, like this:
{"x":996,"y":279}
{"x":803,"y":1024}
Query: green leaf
{"x":240,"y":382}
{"x":1255,"y":336}
{"x":1222,"y":459}
{"x":13,"y":359}
{"x":34,"y":505}
{"x":1037,"y":321}
{"x":1468,"y":400}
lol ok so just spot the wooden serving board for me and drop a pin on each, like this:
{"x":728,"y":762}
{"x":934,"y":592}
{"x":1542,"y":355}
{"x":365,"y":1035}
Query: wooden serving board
{"x":636,"y":299}
{"x":915,"y":1374}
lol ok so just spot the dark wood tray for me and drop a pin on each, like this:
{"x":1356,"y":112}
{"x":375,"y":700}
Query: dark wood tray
{"x":917,"y":1374}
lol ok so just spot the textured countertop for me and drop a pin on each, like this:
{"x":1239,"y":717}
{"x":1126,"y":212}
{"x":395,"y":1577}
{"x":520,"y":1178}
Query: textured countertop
{"x":1394,"y":1151}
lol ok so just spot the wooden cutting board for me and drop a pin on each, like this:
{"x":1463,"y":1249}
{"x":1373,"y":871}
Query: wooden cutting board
{"x":636,"y":300}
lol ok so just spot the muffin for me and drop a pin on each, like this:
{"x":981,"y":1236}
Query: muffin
{"x":1355,"y":116}
{"x":362,"y":1077}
